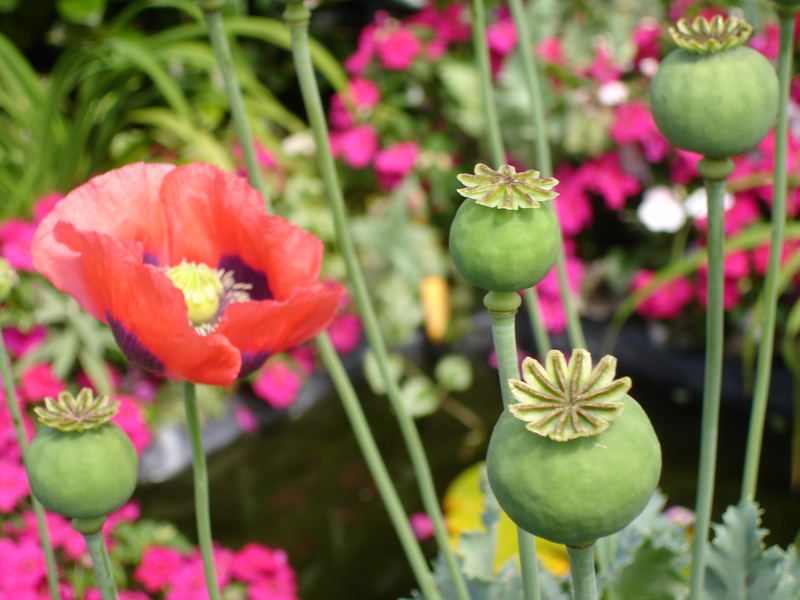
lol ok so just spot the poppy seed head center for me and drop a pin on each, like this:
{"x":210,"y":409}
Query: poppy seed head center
{"x":202,"y":288}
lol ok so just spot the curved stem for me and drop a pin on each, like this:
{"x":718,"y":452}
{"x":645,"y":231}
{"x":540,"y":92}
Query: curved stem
{"x":502,"y":308}
{"x":765,"y":351}
{"x":22,"y":441}
{"x":101,"y":564}
{"x":201,"y":502}
{"x":377,"y":467}
{"x":297,"y":17}
{"x":581,"y":565}
{"x":715,"y":189}
{"x":544,"y":160}
{"x":482,"y":62}
{"x":222,"y":51}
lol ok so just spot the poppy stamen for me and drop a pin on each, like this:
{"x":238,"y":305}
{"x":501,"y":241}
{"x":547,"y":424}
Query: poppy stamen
{"x":207,"y":292}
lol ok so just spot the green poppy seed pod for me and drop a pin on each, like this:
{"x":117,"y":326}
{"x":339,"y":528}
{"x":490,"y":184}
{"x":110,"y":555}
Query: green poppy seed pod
{"x":577,"y":458}
{"x":80,"y":465}
{"x":505,"y":236}
{"x":713,"y":95}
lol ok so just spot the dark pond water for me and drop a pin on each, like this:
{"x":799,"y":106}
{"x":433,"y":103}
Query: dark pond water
{"x":302,"y":485}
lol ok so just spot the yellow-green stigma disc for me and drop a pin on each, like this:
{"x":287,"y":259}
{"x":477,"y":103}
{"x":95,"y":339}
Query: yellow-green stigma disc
{"x":201,"y":287}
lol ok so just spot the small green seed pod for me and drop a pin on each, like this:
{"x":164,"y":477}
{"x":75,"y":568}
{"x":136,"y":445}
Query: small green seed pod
{"x":588,"y":460}
{"x":505,"y":237}
{"x":80,"y":465}
{"x":713,"y":95}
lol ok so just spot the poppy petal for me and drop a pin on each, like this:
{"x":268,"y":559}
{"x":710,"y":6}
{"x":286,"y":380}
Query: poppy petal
{"x":123,"y":203}
{"x":146,"y":311}
{"x":277,"y":326}
{"x":215,"y":216}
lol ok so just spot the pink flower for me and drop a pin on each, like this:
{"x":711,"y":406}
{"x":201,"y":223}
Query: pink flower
{"x":603,"y":68}
{"x":264,"y":157}
{"x":273,"y":589}
{"x":362,"y":94}
{"x":45,"y":204}
{"x":393,"y":163}
{"x":730,"y":290}
{"x":345,"y":332}
{"x":646,"y":36}
{"x":397,"y":48}
{"x":255,"y":561}
{"x":550,"y":305}
{"x":245,"y":418}
{"x":157,"y":567}
{"x":501,"y":37}
{"x":684,"y":167}
{"x":767,"y":42}
{"x":38,"y":382}
{"x":573,"y":207}
{"x":131,"y":419}
{"x":188,"y":582}
{"x":422,"y":526}
{"x":16,"y":236}
{"x":13,"y":484}
{"x":356,"y":146}
{"x":633,"y":123}
{"x":277,"y":384}
{"x":667,"y":301}
{"x":357,"y":62}
{"x":680,"y":515}
{"x":550,"y":50}
{"x":304,"y":357}
{"x":737,"y":264}
{"x":605,"y":177}
{"x":19,"y":343}
{"x":22,"y":565}
{"x":94,"y":594}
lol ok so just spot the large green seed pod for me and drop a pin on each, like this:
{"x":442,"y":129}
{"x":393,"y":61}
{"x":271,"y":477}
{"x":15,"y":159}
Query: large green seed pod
{"x":505,"y":237}
{"x":82,"y":472}
{"x":583,"y":467}
{"x":712,"y":95}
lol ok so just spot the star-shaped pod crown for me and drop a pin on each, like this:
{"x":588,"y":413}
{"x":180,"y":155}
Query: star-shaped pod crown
{"x":506,"y":188}
{"x":704,"y":36}
{"x":564,"y":400}
{"x":77,"y":413}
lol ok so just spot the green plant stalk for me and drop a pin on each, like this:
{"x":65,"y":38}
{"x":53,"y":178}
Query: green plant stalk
{"x":377,"y":467}
{"x":581,"y":565}
{"x":297,"y":17}
{"x":200,"y":477}
{"x":330,"y":358}
{"x":496,"y":150}
{"x":22,"y":440}
{"x":758,"y":413}
{"x":222,"y":51}
{"x":544,"y":160}
{"x":101,"y":564}
{"x":502,"y":308}
{"x":715,"y":189}
{"x":794,"y":483}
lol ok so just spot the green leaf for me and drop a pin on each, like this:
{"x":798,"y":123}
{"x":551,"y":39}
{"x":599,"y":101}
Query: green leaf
{"x":419,"y":396}
{"x":739,"y":565}
{"x":82,"y":12}
{"x":454,"y":372}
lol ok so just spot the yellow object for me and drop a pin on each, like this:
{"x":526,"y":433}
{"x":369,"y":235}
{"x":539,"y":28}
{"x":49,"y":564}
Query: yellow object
{"x":201,"y":286}
{"x":434,"y":293}
{"x":463,"y":504}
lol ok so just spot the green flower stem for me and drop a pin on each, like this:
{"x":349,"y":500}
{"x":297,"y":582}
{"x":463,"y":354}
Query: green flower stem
{"x":101,"y":563}
{"x":540,"y":335}
{"x":297,"y":16}
{"x":544,"y":161}
{"x":715,"y":173}
{"x":201,"y":502}
{"x":766,"y":348}
{"x":581,"y":565}
{"x":377,"y":467}
{"x":22,"y":440}
{"x":502,"y":308}
{"x":482,"y":61}
{"x":212,"y":11}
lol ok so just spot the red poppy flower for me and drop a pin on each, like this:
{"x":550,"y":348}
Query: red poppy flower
{"x":183,"y":263}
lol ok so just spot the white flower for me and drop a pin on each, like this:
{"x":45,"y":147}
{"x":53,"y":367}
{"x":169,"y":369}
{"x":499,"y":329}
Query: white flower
{"x":612,"y":93}
{"x":696,"y":203}
{"x":661,"y":210}
{"x":648,"y":66}
{"x":298,"y":144}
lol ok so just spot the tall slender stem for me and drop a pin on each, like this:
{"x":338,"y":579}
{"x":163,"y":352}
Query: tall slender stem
{"x":544,"y":162}
{"x":22,"y":441}
{"x":212,"y":11}
{"x":201,"y":501}
{"x":715,"y":190}
{"x":766,"y":348}
{"x":101,"y":564}
{"x":502,"y":308}
{"x":581,"y":564}
{"x":297,"y":16}
{"x":377,"y":467}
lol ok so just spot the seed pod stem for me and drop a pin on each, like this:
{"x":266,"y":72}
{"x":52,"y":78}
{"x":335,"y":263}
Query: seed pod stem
{"x":581,"y":564}
{"x":101,"y":563}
